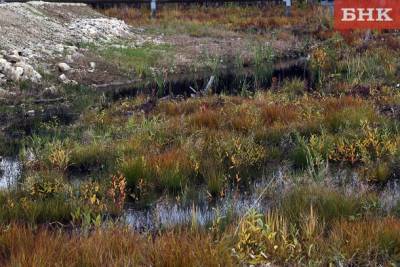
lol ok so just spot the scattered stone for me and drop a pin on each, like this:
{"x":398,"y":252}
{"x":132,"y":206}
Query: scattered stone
{"x":4,"y":64}
{"x":27,"y":53}
{"x":14,"y":67}
{"x":30,"y":113}
{"x":14,"y":73}
{"x":68,"y":59}
{"x":63,"y":78}
{"x":73,"y":82}
{"x":6,"y":94}
{"x":77,"y":55}
{"x":31,"y":74}
{"x":23,"y":50}
{"x":70,"y":49}
{"x":92,"y":67}
{"x":48,"y":34}
{"x":50,"y":91}
{"x":63,"y":67}
{"x":59,"y":48}
{"x":13,"y":58}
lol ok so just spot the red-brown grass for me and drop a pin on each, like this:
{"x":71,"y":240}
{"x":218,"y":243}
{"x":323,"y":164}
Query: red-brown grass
{"x":178,"y":108}
{"x":117,"y":246}
{"x":169,"y":158}
{"x":206,"y":118}
{"x":231,"y":17}
{"x":336,"y":104}
{"x":369,"y":241}
{"x":279,"y":113}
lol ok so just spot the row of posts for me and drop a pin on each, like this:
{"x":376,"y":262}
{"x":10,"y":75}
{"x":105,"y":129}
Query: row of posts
{"x":288,"y":5}
{"x":153,"y":7}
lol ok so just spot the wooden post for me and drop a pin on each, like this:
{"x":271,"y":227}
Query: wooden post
{"x":288,"y":4}
{"x":328,"y":4}
{"x":153,"y":7}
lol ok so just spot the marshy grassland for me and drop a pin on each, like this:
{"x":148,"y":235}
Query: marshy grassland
{"x":324,"y":142}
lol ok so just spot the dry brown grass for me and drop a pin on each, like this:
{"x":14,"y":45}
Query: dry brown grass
{"x":230,"y":17}
{"x":367,"y":241}
{"x":178,"y":108}
{"x":284,"y":114}
{"x":24,"y":246}
{"x":206,"y":118}
{"x":336,"y":104}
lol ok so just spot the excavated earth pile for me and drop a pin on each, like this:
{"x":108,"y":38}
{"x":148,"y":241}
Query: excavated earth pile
{"x":35,"y":33}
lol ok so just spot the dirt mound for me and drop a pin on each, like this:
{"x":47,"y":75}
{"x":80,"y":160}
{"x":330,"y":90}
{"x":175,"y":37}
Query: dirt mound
{"x":42,"y":29}
{"x":37,"y":32}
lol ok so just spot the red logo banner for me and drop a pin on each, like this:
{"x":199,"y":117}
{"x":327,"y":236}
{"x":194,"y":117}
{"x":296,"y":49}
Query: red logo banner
{"x":367,"y":14}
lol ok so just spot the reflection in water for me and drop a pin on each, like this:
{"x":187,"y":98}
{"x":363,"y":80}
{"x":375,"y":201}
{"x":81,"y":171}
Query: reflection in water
{"x":169,"y":213}
{"x":10,"y":171}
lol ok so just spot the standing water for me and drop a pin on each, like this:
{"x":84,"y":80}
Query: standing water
{"x":10,"y":171}
{"x":167,"y":213}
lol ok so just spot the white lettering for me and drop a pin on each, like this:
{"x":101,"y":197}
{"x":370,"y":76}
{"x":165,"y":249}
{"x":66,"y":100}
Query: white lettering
{"x":365,"y":12}
{"x":349,"y":14}
{"x":383,"y":14}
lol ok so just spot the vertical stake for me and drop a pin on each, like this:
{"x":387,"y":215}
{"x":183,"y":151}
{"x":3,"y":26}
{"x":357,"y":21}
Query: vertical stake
{"x":153,"y":7}
{"x":288,"y":4}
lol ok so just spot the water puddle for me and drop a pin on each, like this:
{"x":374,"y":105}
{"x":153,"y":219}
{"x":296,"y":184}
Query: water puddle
{"x":168,"y":213}
{"x":10,"y":171}
{"x":227,"y":79}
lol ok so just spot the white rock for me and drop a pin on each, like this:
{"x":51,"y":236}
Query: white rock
{"x":5,"y":93}
{"x":63,"y":78}
{"x":63,"y":67}
{"x":26,"y":52}
{"x":4,"y":64}
{"x":68,"y":59}
{"x":50,"y":91}
{"x":14,"y":73}
{"x":59,"y":48}
{"x":30,"y":113}
{"x":77,"y":55}
{"x":73,"y":82}
{"x":13,"y":58}
{"x":30,"y":74}
{"x":71,"y":49}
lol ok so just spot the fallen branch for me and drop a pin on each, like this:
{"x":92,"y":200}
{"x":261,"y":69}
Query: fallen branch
{"x":209,"y":84}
